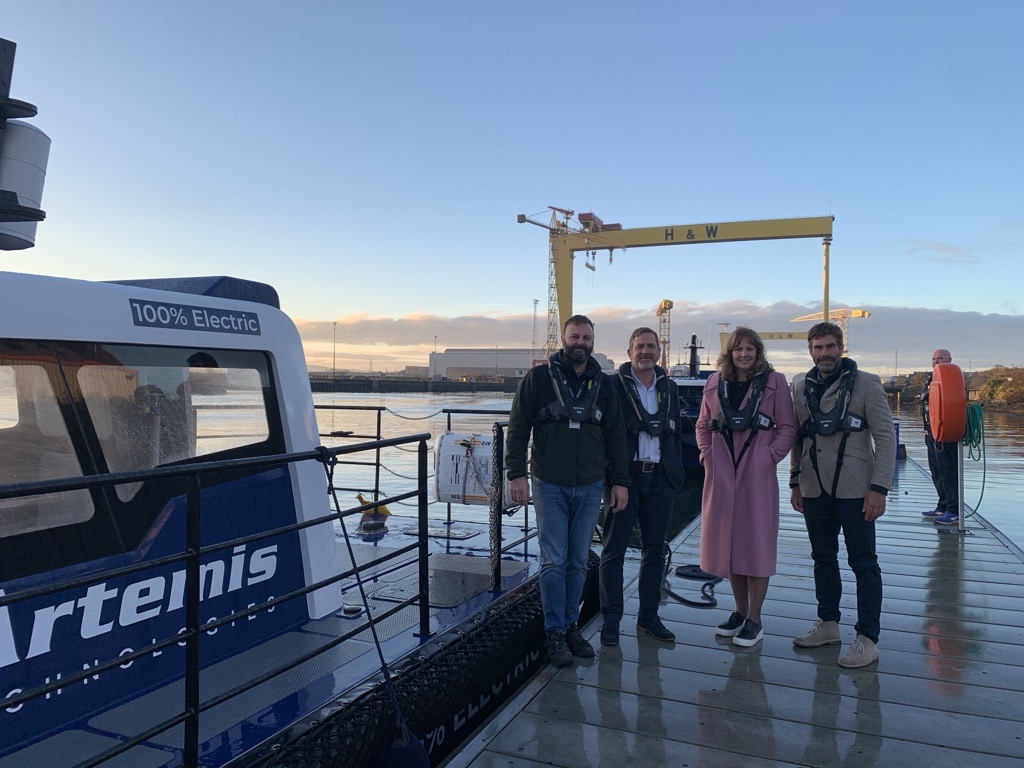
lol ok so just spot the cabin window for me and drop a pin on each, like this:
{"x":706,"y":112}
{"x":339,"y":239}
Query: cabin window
{"x":69,"y":409}
{"x":8,"y":398}
{"x":34,"y":446}
{"x":230,"y":411}
{"x":151,"y":415}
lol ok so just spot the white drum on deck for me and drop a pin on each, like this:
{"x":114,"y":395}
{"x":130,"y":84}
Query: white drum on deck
{"x":462,"y":469}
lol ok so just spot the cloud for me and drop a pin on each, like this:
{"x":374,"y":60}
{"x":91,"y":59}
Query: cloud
{"x":892,"y":339}
{"x":940,"y":252}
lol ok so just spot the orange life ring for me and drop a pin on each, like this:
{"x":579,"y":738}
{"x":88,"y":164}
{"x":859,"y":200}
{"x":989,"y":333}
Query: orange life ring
{"x":947,"y":403}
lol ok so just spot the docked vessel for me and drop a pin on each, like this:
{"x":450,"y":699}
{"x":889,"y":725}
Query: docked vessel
{"x":175,"y":576}
{"x":690,"y":380}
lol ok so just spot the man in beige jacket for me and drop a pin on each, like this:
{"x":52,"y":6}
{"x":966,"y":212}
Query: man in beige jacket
{"x":841,"y":469}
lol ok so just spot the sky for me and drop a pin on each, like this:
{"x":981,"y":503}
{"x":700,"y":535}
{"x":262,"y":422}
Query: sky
{"x":369,"y":160}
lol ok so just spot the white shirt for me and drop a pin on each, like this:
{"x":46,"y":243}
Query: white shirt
{"x":648,"y":447}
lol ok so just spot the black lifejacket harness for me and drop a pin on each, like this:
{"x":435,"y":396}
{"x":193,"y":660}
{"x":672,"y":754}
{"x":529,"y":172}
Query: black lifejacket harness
{"x":826,"y":424}
{"x":747,"y":419}
{"x":637,"y":419}
{"x":574,"y":406}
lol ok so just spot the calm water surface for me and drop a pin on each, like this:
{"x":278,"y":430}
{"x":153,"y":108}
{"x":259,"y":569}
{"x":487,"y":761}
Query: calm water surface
{"x":993,"y":481}
{"x":993,"y":476}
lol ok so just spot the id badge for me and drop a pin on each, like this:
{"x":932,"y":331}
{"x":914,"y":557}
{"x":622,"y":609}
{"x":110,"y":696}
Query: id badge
{"x":574,"y":425}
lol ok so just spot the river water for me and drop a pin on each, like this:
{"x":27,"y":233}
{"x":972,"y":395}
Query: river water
{"x":993,"y":476}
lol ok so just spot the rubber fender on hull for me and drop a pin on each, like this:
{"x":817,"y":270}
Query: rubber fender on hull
{"x":947,"y":403}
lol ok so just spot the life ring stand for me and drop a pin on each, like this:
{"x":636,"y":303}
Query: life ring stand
{"x":947,"y":403}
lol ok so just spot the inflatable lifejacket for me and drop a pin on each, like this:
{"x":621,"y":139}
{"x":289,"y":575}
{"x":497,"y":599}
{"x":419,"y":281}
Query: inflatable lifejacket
{"x":748,"y":417}
{"x":836,"y":419}
{"x":947,"y":403}
{"x":578,"y":405}
{"x":639,"y":418}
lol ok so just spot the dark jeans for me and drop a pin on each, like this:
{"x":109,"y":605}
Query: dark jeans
{"x":942,"y":461}
{"x":650,"y":504}
{"x":824,"y":516}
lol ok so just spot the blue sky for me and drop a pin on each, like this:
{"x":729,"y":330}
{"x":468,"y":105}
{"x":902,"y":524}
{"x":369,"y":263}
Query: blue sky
{"x":369,"y":160}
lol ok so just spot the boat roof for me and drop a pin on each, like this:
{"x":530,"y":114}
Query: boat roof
{"x":221,"y":287}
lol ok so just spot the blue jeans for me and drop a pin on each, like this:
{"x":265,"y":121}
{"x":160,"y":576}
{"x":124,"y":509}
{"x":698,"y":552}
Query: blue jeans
{"x":566,"y":518}
{"x":651,"y":496}
{"x":824,"y":516}
{"x":942,"y":464}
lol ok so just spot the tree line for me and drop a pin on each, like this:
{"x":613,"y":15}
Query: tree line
{"x":999,"y":388}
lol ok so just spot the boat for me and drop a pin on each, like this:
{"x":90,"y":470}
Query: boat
{"x":690,"y":381}
{"x":180,"y":581}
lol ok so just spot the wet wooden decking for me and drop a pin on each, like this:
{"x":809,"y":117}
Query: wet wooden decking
{"x":948,"y":689}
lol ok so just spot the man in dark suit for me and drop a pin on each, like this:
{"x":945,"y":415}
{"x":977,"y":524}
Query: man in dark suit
{"x":841,"y":469}
{"x":649,"y":401}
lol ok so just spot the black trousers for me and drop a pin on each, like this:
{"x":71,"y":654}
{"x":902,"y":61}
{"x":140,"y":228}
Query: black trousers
{"x":942,"y":461}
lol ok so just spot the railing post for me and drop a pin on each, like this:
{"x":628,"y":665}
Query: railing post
{"x":193,"y":544}
{"x":423,"y":536}
{"x":448,"y":518}
{"x":497,"y":501}
{"x":376,"y":468}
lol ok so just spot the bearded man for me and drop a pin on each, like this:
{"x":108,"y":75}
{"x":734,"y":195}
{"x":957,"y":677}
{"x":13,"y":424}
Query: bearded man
{"x":578,"y":436}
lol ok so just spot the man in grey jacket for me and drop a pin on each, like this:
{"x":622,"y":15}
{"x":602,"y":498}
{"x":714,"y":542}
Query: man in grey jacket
{"x":841,"y":469}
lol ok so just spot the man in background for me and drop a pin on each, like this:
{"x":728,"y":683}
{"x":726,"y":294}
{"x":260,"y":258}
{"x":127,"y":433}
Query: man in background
{"x":942,"y":460}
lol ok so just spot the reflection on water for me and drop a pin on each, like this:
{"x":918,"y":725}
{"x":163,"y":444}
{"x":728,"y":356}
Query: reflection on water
{"x":830,"y":729}
{"x":947,"y":639}
{"x":738,"y":715}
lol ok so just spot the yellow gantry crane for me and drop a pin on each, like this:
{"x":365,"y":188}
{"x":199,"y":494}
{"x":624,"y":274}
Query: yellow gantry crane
{"x":840,"y":316}
{"x":664,"y":314}
{"x":565,"y":239}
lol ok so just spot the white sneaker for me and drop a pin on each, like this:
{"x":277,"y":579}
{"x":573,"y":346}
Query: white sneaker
{"x":822,"y":633}
{"x":862,"y":651}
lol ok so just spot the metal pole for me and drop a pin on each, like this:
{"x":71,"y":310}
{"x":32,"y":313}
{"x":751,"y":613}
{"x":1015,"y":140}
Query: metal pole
{"x":192,"y":594}
{"x":497,"y":487}
{"x":960,"y":486}
{"x":824,"y":296}
{"x":423,"y":553}
{"x":334,"y":353}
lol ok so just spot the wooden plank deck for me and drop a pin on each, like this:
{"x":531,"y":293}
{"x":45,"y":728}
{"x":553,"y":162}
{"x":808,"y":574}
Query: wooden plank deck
{"x":948,"y":689}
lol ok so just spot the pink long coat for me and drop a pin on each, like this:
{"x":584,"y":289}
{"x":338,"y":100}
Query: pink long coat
{"x":740,"y":506}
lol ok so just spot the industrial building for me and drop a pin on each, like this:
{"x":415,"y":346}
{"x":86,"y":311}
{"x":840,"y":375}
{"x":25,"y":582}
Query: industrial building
{"x":493,"y":363}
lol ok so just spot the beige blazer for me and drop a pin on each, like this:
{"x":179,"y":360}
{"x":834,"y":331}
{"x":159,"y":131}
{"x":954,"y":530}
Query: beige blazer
{"x":870,"y":456}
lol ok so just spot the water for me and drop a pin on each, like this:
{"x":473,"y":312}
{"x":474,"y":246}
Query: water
{"x":998,"y":481}
{"x":404,"y":414}
{"x":993,"y":483}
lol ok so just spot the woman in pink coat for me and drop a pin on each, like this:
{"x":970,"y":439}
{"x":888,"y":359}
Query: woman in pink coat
{"x":746,"y":427}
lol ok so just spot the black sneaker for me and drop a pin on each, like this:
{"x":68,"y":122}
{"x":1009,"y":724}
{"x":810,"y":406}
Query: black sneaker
{"x":610,"y":632}
{"x":556,"y":649}
{"x":655,"y":629}
{"x":577,"y":645}
{"x":749,"y":635}
{"x":731,"y":626}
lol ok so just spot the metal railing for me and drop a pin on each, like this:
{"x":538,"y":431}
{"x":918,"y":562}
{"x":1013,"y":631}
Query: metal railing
{"x":496,"y":506}
{"x":192,"y":554}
